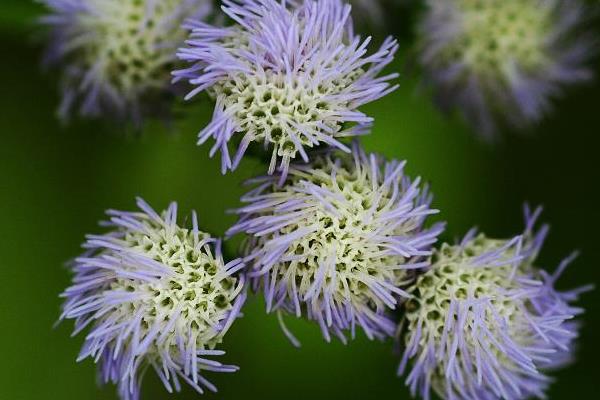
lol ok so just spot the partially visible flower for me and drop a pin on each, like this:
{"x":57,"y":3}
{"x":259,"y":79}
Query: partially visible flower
{"x":156,"y":295}
{"x":500,"y":61}
{"x":288,"y":76}
{"x":117,"y":55}
{"x":485,"y":323}
{"x":337,"y":242}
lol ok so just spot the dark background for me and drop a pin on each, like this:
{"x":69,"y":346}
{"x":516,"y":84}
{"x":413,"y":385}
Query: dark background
{"x":56,"y":181}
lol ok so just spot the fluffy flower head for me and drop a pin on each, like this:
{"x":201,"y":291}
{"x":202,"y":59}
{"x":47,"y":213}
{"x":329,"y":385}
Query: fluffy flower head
{"x":155,"y":295}
{"x":336,"y":242}
{"x":485,"y":323}
{"x":502,"y":61}
{"x":117,"y":54}
{"x":288,"y":76}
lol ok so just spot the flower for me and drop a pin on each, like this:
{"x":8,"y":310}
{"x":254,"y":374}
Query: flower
{"x":485,"y":323}
{"x":503,"y":61}
{"x":338,"y":241}
{"x":288,"y":76}
{"x":117,"y":55}
{"x":155,"y":295}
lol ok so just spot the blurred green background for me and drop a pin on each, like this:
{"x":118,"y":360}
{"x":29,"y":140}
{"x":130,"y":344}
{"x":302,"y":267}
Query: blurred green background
{"x":55,"y":183}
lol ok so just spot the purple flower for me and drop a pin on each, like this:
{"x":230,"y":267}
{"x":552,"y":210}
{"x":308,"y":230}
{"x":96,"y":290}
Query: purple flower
{"x":117,"y":55}
{"x":288,"y":75}
{"x":500,"y":61}
{"x":154,"y":295}
{"x":337,"y":242}
{"x":485,"y":323}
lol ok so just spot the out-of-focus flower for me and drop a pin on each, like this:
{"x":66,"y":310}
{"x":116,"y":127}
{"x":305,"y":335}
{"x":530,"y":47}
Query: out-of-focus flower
{"x":501,"y":61}
{"x":156,"y":295}
{"x":117,"y":55}
{"x":337,"y":242}
{"x":288,"y":76}
{"x":485,"y":323}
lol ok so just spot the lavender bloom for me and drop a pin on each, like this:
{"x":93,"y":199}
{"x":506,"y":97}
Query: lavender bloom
{"x":155,"y":295}
{"x":337,"y":242}
{"x":501,"y":61}
{"x":117,"y":55}
{"x":289,"y":76}
{"x":485,"y":323}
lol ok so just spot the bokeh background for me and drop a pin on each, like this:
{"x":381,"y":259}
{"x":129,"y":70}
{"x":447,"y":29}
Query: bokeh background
{"x":56,"y":181}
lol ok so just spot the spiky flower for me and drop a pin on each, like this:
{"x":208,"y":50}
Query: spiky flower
{"x":500,"y":61}
{"x":288,"y":76}
{"x":485,"y":323}
{"x":156,"y":295}
{"x":117,"y":55}
{"x":337,"y":242}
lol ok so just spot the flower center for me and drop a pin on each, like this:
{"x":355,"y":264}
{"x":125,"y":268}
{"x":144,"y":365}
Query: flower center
{"x":496,"y":33}
{"x":131,"y":44}
{"x":198,"y":289}
{"x":481,"y":300}
{"x":288,"y":112}
{"x":342,"y":250}
{"x":452,"y":277}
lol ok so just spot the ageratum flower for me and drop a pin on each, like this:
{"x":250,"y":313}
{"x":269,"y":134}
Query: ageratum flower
{"x":288,"y":77}
{"x":117,"y":55}
{"x":155,"y":295}
{"x":337,"y":242}
{"x":501,"y":61}
{"x":485,"y":322}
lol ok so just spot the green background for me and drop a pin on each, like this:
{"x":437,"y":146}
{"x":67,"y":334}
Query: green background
{"x":56,"y":181}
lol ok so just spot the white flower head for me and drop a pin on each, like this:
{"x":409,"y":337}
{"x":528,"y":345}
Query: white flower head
{"x":117,"y":55}
{"x":499,"y":61}
{"x":337,"y":242}
{"x":288,"y":75}
{"x":156,"y":295}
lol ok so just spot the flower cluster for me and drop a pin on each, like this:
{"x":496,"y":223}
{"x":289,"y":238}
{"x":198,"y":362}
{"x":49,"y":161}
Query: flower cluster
{"x":288,"y":76}
{"x":155,"y":295}
{"x":485,"y":322}
{"x":117,"y":55}
{"x":343,"y":238}
{"x":502,"y":61}
{"x":338,"y":240}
